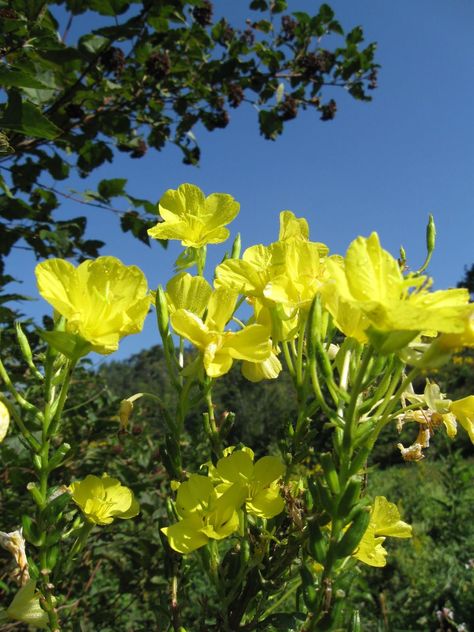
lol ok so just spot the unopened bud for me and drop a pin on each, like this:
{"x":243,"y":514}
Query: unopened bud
{"x":125,"y":412}
{"x":162,"y":312}
{"x":430,"y":235}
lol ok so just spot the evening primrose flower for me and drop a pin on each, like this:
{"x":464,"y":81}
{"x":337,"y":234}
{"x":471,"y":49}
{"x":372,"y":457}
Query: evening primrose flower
{"x":370,"y":284}
{"x":194,"y":219}
{"x":260,"y":480}
{"x":4,"y":421}
{"x":463,"y":410}
{"x":26,"y":608}
{"x":102,"y":300}
{"x":203,"y":514}
{"x":384,"y":522}
{"x":103,"y":499}
{"x":465,"y":338}
{"x":220,"y":348}
{"x":185,"y":291}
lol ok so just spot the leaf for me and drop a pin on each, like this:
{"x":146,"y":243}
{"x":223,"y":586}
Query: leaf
{"x":27,"y":119}
{"x":283,"y":621}
{"x":271,"y":125}
{"x":12,"y":77}
{"x":111,"y":188}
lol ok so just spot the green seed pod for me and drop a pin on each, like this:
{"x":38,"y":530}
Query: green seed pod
{"x":26,"y":350}
{"x":351,"y":538}
{"x":324,"y":363}
{"x":314,"y":327}
{"x":359,"y":460}
{"x":309,"y":589}
{"x":52,"y":557}
{"x":236,"y":247}
{"x":162,"y":312}
{"x":58,"y":457}
{"x":317,"y":545}
{"x":173,"y":450}
{"x":430,"y":235}
{"x":349,"y":497}
{"x":330,"y":473}
{"x":245,"y":552}
{"x":355,"y":622}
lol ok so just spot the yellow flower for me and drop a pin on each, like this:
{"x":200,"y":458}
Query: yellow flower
{"x":463,"y":410}
{"x":259,"y":479}
{"x":292,"y":227}
{"x":193,"y":219}
{"x":369,"y":288}
{"x":103,"y":499}
{"x":184,"y":291}
{"x":26,"y":608}
{"x":220,"y":348}
{"x":203,"y":514}
{"x":463,"y":339}
{"x":4,"y":421}
{"x":384,"y":521}
{"x":102,"y":300}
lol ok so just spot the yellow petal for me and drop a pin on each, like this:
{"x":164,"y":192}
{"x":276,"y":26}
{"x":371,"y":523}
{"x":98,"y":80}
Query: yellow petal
{"x":463,"y":409}
{"x":4,"y":421}
{"x":191,"y":327}
{"x":251,"y":343}
{"x":184,"y":291}
{"x":186,"y":535}
{"x":267,"y":503}
{"x":267,"y":470}
{"x":292,"y":227}
{"x":220,"y":309}
{"x":267,"y":370}
{"x":195,"y":494}
{"x":386,"y":520}
{"x":237,"y":467}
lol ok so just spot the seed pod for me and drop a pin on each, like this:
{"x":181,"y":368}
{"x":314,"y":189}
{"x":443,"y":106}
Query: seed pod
{"x":59,"y":456}
{"x":52,"y":557}
{"x":26,"y":350}
{"x":351,"y":538}
{"x":324,"y":362}
{"x":330,"y":473}
{"x":309,"y":589}
{"x":314,"y":326}
{"x":355,"y":622}
{"x":162,"y":312}
{"x":236,"y":247}
{"x":359,"y":460}
{"x":317,"y":544}
{"x":349,"y":497}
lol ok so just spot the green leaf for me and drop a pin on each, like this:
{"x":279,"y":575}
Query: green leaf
{"x":12,"y":77}
{"x":271,"y":125}
{"x":111,"y":188}
{"x":283,"y":622}
{"x":27,"y":119}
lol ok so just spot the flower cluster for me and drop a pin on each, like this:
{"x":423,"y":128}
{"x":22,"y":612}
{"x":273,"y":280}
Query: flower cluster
{"x":210,"y":507}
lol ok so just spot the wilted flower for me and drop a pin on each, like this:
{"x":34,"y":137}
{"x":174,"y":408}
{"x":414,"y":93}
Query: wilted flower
{"x":194,"y":219}
{"x":14,"y":542}
{"x":103,"y":499}
{"x":102,"y":300}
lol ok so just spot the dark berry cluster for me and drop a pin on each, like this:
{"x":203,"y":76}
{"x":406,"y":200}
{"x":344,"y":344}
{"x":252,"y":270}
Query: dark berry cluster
{"x":158,"y":65}
{"x":203,"y":13}
{"x":328,"y":111}
{"x":113,"y":60}
{"x":314,"y":63}
{"x":140,"y":150}
{"x":288,"y":28}
{"x":235,"y":95}
{"x":288,"y":108}
{"x":8,"y":14}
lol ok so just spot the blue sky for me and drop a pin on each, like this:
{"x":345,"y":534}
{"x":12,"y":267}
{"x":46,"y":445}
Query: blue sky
{"x":380,"y":166}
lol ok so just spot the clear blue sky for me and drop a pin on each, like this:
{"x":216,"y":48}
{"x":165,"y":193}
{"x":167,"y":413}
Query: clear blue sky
{"x":380,"y":166}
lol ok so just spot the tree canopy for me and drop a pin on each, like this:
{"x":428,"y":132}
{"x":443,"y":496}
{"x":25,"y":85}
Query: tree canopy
{"x":144,"y":76}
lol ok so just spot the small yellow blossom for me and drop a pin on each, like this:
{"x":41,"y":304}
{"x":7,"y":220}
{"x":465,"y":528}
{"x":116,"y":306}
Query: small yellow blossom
{"x":103,"y":499}
{"x":220,"y":348}
{"x":102,"y":300}
{"x":203,"y":514}
{"x":194,"y":219}
{"x":259,"y":479}
{"x":384,"y":522}
{"x":463,"y":410}
{"x":4,"y":421}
